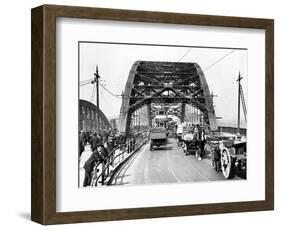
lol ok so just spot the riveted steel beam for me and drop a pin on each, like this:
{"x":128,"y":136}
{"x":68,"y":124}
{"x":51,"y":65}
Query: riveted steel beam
{"x":166,"y":82}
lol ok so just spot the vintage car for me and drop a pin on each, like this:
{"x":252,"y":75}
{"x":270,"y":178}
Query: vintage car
{"x":158,"y":137}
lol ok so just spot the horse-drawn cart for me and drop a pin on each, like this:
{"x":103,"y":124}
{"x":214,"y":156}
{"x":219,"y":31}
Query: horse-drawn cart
{"x":228,"y":154}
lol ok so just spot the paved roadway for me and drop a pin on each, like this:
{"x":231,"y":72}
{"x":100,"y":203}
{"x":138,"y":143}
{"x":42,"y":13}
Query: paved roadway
{"x":169,"y":164}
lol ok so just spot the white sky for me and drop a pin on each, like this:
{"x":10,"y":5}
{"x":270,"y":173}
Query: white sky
{"x":115,"y":61}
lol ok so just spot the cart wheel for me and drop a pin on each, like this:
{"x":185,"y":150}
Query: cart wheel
{"x":227,"y":164}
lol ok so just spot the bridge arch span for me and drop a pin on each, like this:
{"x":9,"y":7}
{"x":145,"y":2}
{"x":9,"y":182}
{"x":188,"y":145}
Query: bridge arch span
{"x":88,"y":117}
{"x":166,"y":82}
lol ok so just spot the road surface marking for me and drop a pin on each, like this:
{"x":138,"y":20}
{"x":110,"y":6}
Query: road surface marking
{"x":198,"y":171}
{"x":145,"y":171}
{"x":170,"y":168}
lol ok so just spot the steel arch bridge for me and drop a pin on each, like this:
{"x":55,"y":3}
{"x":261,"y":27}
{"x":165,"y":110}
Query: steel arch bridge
{"x":166,"y":82}
{"x":88,"y":118}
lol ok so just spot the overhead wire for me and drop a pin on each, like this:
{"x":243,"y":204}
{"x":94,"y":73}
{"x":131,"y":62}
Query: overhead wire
{"x":106,"y":104}
{"x":216,"y":62}
{"x":184,"y":55}
{"x":85,"y":82}
{"x":93,"y":94}
{"x":107,"y":90}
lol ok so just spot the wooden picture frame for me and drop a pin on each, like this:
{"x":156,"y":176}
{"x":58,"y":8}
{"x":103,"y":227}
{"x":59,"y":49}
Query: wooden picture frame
{"x":43,"y":203}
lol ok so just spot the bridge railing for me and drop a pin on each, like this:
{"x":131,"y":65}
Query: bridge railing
{"x":103,"y":171}
{"x":232,"y":130}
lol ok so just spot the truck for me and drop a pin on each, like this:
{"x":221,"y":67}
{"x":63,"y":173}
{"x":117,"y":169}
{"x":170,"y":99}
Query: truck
{"x":158,"y":137}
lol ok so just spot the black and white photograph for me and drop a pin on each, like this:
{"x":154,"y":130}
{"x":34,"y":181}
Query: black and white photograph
{"x":160,"y":114}
{"x":134,"y":115}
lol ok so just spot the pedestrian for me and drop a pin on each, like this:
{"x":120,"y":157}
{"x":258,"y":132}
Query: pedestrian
{"x":100,"y":139}
{"x":81,"y":143}
{"x":195,"y":140}
{"x":99,"y":155}
{"x":103,"y":153}
{"x":94,"y":141}
{"x":111,"y":141}
{"x":217,"y":157}
{"x":201,"y":143}
{"x":87,"y":137}
{"x":105,"y":135}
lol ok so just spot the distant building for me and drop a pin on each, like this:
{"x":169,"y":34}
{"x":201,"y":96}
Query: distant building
{"x":114,"y":123}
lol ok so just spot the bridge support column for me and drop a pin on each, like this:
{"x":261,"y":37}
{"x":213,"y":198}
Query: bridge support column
{"x":148,"y":108}
{"x":182,"y":112}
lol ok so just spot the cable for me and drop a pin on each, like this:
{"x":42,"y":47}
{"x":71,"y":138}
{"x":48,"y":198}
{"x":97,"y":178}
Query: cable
{"x":86,"y":82}
{"x":114,"y":95}
{"x":184,"y":55}
{"x":93,"y":94}
{"x":105,"y":105}
{"x":218,"y":60}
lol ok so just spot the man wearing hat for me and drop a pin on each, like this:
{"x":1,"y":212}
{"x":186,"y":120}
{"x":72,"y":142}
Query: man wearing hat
{"x":99,"y":155}
{"x":94,"y":141}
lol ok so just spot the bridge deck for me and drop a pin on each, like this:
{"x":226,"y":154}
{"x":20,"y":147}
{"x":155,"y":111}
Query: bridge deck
{"x":165,"y":165}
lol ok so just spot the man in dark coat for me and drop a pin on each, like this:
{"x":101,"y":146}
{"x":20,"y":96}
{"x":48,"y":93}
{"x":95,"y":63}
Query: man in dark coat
{"x":105,"y":135}
{"x":201,"y":142}
{"x":98,"y":155}
{"x":81,"y":143}
{"x":111,"y":141}
{"x":95,"y":141}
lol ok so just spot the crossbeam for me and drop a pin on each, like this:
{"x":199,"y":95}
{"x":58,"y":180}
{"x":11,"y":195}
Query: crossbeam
{"x":166,"y":73}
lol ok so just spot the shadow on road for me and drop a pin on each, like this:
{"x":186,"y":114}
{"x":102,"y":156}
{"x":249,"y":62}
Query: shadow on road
{"x":161,"y":148}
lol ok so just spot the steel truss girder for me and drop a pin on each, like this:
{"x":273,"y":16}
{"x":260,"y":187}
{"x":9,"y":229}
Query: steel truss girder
{"x":166,"y":82}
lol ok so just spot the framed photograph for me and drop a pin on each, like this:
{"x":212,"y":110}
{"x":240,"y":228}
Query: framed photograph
{"x":140,"y":114}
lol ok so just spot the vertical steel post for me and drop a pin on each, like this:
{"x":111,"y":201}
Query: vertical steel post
{"x":239,"y":92}
{"x":148,"y":109}
{"x":98,"y":102}
{"x":182,"y":112}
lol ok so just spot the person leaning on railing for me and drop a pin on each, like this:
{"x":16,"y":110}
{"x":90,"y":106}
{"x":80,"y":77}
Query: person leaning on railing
{"x":99,"y":155}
